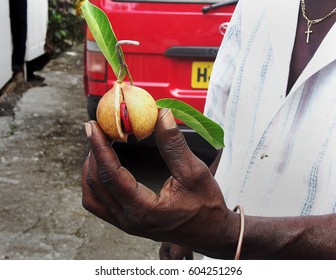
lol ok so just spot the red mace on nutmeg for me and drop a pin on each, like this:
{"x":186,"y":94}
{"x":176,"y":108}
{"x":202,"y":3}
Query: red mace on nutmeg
{"x":127,"y":109}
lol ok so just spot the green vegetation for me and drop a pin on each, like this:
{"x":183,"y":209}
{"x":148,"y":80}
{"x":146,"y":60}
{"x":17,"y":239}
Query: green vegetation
{"x":65,"y":27}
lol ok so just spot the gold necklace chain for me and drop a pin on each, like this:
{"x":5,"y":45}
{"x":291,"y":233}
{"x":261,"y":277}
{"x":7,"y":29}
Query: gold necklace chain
{"x":310,"y":22}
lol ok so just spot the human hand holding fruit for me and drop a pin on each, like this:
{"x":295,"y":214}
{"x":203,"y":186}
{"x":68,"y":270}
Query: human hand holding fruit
{"x":189,"y":210}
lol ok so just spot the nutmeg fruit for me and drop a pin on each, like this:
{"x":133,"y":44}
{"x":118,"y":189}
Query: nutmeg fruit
{"x":126,"y":109}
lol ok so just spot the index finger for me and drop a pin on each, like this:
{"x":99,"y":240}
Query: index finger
{"x":90,"y":201}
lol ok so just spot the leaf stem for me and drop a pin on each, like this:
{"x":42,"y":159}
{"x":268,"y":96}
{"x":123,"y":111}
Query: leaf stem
{"x":123,"y":65}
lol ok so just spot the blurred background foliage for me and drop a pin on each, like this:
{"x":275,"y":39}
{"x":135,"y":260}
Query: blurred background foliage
{"x":65,"y":27}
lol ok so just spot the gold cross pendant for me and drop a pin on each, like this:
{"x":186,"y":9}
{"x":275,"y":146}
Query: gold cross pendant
{"x":309,"y":24}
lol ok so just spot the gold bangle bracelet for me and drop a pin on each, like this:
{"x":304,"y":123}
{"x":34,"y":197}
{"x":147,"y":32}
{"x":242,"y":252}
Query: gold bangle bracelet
{"x":242,"y":229}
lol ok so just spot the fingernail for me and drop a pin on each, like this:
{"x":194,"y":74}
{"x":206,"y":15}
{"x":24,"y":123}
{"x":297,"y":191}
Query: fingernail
{"x":168,"y":119}
{"x":88,"y":129}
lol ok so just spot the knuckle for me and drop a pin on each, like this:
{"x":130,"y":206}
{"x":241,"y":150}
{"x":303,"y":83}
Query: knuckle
{"x":196,"y":167}
{"x":110,"y":174}
{"x":177,"y":142}
{"x":91,"y":182}
{"x":106,"y":176}
{"x":200,"y":171}
{"x":198,"y":175}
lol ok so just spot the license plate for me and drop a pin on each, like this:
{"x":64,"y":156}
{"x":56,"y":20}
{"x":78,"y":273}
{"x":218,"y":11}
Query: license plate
{"x":200,"y":74}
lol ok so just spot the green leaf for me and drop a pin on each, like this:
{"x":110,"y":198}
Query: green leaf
{"x":208,"y":129}
{"x":106,"y":40}
{"x":103,"y":33}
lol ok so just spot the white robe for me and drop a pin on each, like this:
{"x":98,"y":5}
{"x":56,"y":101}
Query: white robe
{"x":280,"y":154}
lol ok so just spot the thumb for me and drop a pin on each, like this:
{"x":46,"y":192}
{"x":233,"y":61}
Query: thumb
{"x":173,"y":146}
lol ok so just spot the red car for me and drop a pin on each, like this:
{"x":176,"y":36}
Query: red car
{"x":179,"y":41}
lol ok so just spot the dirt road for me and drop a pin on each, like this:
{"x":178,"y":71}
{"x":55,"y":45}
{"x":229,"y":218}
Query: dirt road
{"x":42,"y":149}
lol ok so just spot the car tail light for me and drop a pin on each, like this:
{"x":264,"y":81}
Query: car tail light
{"x":96,"y":63}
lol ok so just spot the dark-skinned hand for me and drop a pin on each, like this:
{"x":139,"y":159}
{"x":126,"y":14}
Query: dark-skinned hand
{"x":189,"y":210}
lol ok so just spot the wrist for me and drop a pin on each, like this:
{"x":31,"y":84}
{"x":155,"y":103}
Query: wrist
{"x":226,"y":247}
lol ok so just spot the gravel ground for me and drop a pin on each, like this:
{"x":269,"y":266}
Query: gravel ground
{"x":42,"y":150}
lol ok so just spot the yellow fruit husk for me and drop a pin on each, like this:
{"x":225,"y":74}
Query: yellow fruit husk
{"x":141,"y":108}
{"x":108,"y":113}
